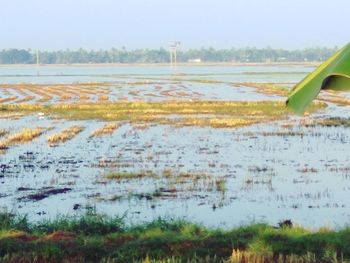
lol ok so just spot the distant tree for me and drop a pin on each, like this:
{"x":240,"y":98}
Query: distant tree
{"x":161,"y":55}
{"x":16,"y":56}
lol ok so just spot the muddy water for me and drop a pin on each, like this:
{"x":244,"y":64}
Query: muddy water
{"x":267,"y":172}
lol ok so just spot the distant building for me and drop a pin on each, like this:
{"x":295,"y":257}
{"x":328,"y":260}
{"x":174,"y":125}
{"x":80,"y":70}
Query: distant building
{"x":196,"y":60}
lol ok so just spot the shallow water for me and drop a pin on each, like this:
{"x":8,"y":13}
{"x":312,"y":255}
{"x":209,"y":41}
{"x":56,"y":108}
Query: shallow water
{"x":70,"y":74}
{"x":148,"y":83}
{"x":269,"y":173}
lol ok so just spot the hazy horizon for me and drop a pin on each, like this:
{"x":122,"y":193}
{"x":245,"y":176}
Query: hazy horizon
{"x":152,"y":24}
{"x":184,"y":49}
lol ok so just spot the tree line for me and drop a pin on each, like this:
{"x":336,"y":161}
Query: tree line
{"x":161,"y":55}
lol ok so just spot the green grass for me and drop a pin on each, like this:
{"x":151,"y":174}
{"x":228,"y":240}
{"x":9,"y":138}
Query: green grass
{"x":96,"y":238}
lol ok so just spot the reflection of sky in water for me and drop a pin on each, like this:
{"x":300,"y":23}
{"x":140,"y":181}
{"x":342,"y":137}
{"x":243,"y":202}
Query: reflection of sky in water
{"x":69,"y":74}
{"x":157,"y":92}
{"x":192,"y":91}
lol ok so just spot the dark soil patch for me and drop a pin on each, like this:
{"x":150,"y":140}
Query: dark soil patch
{"x":44,"y":194}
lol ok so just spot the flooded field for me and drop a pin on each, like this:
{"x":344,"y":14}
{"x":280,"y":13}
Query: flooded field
{"x":235,"y":157}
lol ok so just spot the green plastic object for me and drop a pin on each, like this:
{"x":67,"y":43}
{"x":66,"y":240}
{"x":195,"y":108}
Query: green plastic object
{"x":333,"y":74}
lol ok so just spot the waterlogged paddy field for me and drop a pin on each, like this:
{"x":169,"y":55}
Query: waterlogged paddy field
{"x":262,"y":165}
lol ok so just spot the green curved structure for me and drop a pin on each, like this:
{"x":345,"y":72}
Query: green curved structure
{"x":333,"y":74}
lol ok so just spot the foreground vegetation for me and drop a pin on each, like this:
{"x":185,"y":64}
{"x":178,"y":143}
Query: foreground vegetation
{"x":96,"y":238}
{"x":217,"y":114}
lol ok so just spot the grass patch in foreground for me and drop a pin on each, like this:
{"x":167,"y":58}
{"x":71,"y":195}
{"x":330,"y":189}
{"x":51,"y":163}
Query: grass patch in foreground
{"x":218,"y":114}
{"x":96,"y":238}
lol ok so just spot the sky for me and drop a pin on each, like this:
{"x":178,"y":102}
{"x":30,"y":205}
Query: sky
{"x":103,"y":24}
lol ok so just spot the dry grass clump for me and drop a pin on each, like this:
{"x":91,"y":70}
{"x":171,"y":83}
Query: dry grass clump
{"x":103,"y":98}
{"x":218,"y":122}
{"x":332,"y":98}
{"x":264,"y":257}
{"x":4,"y":145}
{"x":65,"y":135}
{"x":10,"y":115}
{"x":267,"y":88}
{"x":43,"y":93}
{"x":128,"y":175}
{"x":25,"y":99}
{"x":217,"y":114}
{"x":25,"y":135}
{"x":194,"y":181}
{"x":3,"y":132}
{"x":325,"y":122}
{"x":8,"y":99}
{"x":107,"y":129}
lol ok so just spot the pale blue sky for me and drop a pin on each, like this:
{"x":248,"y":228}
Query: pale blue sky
{"x":94,"y":24}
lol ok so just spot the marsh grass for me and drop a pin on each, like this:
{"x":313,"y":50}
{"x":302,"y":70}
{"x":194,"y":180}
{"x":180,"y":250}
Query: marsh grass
{"x":10,"y":115}
{"x":103,"y":98}
{"x":280,"y":90}
{"x":194,"y":181}
{"x":3,"y":132}
{"x":282,"y":133}
{"x":128,"y":175}
{"x":107,"y":129}
{"x":267,"y":88}
{"x":218,"y":114}
{"x":169,"y":183}
{"x":23,"y":136}
{"x":204,"y":81}
{"x":64,"y":135}
{"x":42,"y":93}
{"x":8,"y":99}
{"x":328,"y":122}
{"x":337,"y":99}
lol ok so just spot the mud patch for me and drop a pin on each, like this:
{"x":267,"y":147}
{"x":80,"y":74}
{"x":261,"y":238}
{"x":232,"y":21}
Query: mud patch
{"x":42,"y":194}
